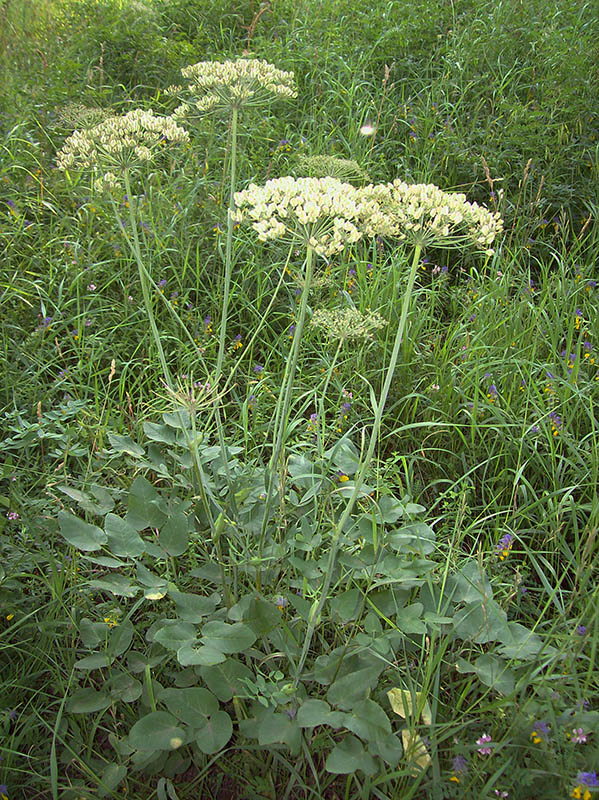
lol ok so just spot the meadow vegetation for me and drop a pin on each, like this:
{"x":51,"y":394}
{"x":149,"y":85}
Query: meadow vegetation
{"x":299,"y":433}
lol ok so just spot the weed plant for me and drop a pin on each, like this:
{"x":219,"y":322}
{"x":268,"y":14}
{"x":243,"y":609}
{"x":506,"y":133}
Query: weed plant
{"x":299,"y":495}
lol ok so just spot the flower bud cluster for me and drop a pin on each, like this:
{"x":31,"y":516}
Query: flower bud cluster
{"x":323,"y":213}
{"x":345,"y":169}
{"x":232,"y":84}
{"x":77,"y":115}
{"x":120,"y":142}
{"x":347,"y":323}
{"x":425,"y":214}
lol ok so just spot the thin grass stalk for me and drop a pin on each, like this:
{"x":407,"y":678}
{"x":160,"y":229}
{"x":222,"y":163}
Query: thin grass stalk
{"x":318,"y":606}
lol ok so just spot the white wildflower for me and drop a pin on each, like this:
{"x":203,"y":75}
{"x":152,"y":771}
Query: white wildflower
{"x":347,"y":323}
{"x":232,"y":84}
{"x":120,"y":142}
{"x":323,"y":213}
{"x":425,"y":214}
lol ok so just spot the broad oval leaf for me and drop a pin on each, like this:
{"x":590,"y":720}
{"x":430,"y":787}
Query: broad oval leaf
{"x":174,"y":536}
{"x":191,"y":706}
{"x":86,"y":701}
{"x":156,"y":731}
{"x":122,"y":537}
{"x":228,"y":638}
{"x":81,"y":534}
{"x":214,"y":733}
{"x":349,"y":756}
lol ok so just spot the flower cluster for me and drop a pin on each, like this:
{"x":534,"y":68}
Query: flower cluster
{"x":504,"y":546}
{"x":425,"y":214}
{"x":347,"y":323}
{"x":345,"y":169}
{"x":231,"y":84}
{"x":323,"y":213}
{"x":77,"y":115}
{"x":584,"y":780}
{"x":119,"y":143}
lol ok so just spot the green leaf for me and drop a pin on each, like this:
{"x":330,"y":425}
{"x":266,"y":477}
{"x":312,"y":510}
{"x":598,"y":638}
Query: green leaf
{"x":520,"y":642}
{"x":469,"y":584}
{"x":179,"y":419}
{"x":155,"y":587}
{"x":156,"y":731}
{"x":144,"y":506}
{"x":106,"y":503}
{"x":123,"y":687}
{"x":389,"y":510}
{"x":344,"y":455}
{"x":81,"y":534}
{"x":313,"y":712}
{"x":91,"y":633}
{"x":193,"y":607}
{"x":352,"y":688}
{"x":481,"y":622}
{"x":191,"y":706}
{"x":368,"y":721}
{"x":204,"y":656}
{"x":159,"y":433}
{"x":408,"y":619}
{"x":346,"y":606}
{"x":492,"y":671}
{"x":389,"y":748}
{"x":227,"y":679}
{"x":349,"y":756}
{"x":95,"y":661}
{"x":87,"y":701}
{"x":416,"y":537}
{"x":116,"y":584}
{"x":120,"y":637}
{"x":125,"y":444}
{"x":215,"y":733}
{"x":228,"y":638}
{"x":275,"y":727}
{"x":260,"y":615}
{"x":174,"y":634}
{"x":111,"y":776}
{"x":123,"y":539}
{"x":174,"y":536}
{"x":105,"y":561}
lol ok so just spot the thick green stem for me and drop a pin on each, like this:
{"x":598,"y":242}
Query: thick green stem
{"x":317,"y":607}
{"x":144,"y":279}
{"x":228,"y":252}
{"x":282,"y":410}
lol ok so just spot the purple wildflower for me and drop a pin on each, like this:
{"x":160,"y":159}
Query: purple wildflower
{"x":483,"y":742}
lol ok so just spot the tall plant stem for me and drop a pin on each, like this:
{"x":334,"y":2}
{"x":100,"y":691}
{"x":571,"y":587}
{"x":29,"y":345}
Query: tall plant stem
{"x":282,"y":410}
{"x":228,"y":252}
{"x":317,"y":607}
{"x":144,"y":280}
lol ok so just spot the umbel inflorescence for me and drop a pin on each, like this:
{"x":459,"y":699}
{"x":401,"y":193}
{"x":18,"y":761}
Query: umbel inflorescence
{"x":119,"y":143}
{"x":322,"y":213}
{"x":231,"y":84}
{"x":327,"y":214}
{"x":426,"y":215}
{"x":347,"y":323}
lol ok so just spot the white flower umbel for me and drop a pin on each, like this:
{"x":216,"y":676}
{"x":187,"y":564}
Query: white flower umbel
{"x":424,"y":214}
{"x":347,"y":323}
{"x":231,"y":84}
{"x":119,"y":143}
{"x":322,"y":213}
